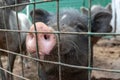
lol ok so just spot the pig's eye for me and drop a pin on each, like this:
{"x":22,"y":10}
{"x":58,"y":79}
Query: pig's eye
{"x":81,"y":27}
{"x":31,"y":35}
{"x":46,"y":37}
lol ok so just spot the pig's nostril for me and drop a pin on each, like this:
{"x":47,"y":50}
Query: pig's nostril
{"x":31,"y":35}
{"x":46,"y":37}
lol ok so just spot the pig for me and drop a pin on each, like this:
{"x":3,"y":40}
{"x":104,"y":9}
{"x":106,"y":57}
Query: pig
{"x":9,"y":17}
{"x":98,"y":9}
{"x":73,"y":47}
{"x":110,"y":8}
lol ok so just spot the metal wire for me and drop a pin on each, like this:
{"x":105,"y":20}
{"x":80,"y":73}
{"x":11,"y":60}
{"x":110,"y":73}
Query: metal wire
{"x":37,"y":48}
{"x":21,"y":77}
{"x":60,"y":32}
{"x":63,"y":64}
{"x":90,"y":50}
{"x":40,"y":67}
{"x":6,"y":37}
{"x":19,"y":38}
{"x":2,"y":73}
{"x":59,"y":63}
{"x":58,"y":40}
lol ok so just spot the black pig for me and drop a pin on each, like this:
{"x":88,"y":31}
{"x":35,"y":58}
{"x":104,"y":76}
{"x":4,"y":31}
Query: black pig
{"x":9,"y":17}
{"x":73,"y":48}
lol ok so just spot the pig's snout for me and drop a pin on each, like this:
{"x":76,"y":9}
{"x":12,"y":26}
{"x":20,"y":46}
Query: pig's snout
{"x":46,"y":41}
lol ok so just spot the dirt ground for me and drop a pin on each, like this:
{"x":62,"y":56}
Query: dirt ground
{"x":106,"y":56}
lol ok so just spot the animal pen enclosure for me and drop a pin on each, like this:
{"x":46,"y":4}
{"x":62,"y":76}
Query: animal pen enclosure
{"x":75,"y":55}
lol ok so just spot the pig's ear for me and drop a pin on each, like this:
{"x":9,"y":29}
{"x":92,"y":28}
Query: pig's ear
{"x":108,"y":7}
{"x":84,"y":10}
{"x":101,"y":22}
{"x":18,"y":8}
{"x":39,"y":15}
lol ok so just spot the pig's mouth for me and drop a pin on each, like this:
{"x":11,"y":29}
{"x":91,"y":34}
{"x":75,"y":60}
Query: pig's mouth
{"x":35,"y":55}
{"x":41,"y":57}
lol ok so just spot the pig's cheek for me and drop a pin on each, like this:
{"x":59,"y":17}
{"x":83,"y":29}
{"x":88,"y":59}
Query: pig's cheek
{"x":30,"y":44}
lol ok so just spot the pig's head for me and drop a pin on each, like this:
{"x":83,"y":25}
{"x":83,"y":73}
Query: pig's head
{"x":73,"y":47}
{"x":40,"y":15}
{"x":13,"y":2}
{"x":101,"y":16}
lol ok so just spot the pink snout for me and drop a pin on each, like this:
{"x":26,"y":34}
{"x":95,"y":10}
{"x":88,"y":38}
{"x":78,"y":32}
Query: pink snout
{"x":46,"y":41}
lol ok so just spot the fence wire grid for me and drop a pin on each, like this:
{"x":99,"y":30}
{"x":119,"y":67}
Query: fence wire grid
{"x":13,"y":45}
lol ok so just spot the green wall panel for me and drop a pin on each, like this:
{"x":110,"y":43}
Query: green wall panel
{"x":51,"y":6}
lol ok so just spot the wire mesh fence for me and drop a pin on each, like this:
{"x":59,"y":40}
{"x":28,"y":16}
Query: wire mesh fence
{"x":54,"y":45}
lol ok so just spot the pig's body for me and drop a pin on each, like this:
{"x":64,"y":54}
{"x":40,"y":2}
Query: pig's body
{"x":13,"y":43}
{"x":24,"y":24}
{"x":73,"y":47}
{"x":12,"y":39}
